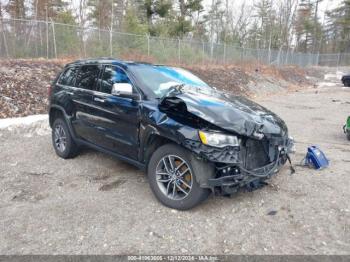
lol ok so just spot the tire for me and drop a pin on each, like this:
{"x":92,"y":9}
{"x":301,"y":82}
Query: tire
{"x":185,"y":183}
{"x":64,"y":145}
{"x":348,"y":135}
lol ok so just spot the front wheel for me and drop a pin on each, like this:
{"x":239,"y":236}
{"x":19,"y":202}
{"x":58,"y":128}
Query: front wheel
{"x":172,"y":178}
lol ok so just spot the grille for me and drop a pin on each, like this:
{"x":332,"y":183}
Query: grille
{"x":255,"y":154}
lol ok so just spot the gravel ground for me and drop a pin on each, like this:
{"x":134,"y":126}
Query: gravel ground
{"x":94,"y":204}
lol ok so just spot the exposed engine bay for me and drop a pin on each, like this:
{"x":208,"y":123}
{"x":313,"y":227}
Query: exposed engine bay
{"x":263,"y":139}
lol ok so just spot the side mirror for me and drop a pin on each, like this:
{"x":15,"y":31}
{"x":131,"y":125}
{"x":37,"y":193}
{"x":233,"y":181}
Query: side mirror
{"x":121,"y":89}
{"x":124,"y":90}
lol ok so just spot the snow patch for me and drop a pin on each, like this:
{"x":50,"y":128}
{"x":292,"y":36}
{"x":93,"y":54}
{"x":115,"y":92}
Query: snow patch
{"x":324,"y":84}
{"x":22,"y":121}
{"x":334,"y":76}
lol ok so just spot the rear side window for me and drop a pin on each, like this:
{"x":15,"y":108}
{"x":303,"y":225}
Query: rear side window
{"x":68,"y":77}
{"x":87,"y":77}
{"x":110,"y":76}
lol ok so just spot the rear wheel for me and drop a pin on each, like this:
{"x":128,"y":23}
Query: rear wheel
{"x":172,"y":178}
{"x":62,"y":140}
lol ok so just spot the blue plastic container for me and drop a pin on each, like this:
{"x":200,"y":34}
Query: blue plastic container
{"x":316,"y":158}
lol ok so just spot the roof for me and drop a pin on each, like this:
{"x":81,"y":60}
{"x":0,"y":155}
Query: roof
{"x":105,"y":60}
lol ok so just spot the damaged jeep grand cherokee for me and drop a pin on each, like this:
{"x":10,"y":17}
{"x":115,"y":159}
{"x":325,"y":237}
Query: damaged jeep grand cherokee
{"x":190,"y":138}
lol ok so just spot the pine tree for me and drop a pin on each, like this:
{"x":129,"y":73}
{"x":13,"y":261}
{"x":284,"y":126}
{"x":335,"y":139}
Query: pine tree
{"x":16,"y":8}
{"x":338,"y":28}
{"x":308,"y":28}
{"x":187,"y":8}
{"x":100,"y":15}
{"x":107,"y":14}
{"x":48,"y":9}
{"x":265,"y":15}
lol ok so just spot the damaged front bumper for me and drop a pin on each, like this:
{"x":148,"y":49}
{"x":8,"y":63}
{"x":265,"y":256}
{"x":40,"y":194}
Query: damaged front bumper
{"x":241,"y":177}
{"x":245,"y":166}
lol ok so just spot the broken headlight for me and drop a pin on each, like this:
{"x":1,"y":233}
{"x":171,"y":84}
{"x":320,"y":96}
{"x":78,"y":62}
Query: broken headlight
{"x":218,"y":139}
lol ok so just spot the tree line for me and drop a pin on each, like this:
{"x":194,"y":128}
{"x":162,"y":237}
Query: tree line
{"x":262,"y":24}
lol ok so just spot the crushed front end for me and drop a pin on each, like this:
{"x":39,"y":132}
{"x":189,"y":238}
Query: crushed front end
{"x":245,"y":142}
{"x":255,"y":161}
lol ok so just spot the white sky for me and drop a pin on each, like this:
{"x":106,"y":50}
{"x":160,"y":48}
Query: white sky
{"x":323,"y":6}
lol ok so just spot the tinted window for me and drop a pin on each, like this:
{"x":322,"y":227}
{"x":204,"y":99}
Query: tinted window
{"x":68,"y":77}
{"x":87,"y":77}
{"x":110,"y":76}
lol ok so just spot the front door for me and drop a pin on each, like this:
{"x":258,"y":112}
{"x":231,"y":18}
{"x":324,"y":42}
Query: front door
{"x":116,"y":118}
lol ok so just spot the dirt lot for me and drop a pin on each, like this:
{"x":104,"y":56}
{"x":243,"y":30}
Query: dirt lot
{"x":94,"y":204}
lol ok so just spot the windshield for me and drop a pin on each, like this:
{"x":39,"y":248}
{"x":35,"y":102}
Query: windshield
{"x":159,"y":79}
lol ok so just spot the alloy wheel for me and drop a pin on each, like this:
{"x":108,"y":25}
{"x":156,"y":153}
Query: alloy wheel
{"x":60,"y":138}
{"x":174,"y":177}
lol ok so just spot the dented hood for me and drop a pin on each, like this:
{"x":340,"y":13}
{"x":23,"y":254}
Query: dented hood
{"x":229,"y":112}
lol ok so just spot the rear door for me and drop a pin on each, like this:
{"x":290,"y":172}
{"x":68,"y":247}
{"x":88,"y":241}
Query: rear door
{"x":85,"y":86}
{"x":64,"y":90}
{"x":116,"y":118}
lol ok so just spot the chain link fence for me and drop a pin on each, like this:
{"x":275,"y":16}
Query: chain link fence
{"x":45,"y":39}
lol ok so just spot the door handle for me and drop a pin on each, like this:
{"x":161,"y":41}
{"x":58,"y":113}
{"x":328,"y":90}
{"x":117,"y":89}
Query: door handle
{"x":99,"y":99}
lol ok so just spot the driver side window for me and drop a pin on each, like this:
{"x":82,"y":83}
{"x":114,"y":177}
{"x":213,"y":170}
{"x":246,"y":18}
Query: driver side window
{"x":110,"y":76}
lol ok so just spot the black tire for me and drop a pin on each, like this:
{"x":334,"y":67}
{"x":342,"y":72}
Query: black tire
{"x":195,"y":195}
{"x":348,"y":135}
{"x":70,"y":149}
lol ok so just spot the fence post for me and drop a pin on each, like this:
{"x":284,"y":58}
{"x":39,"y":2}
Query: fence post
{"x":47,"y":39}
{"x":82,"y":39}
{"x":338,"y":61}
{"x":5,"y":40}
{"x":54,"y":37}
{"x":148,"y":47}
{"x":224,"y":53}
{"x":179,"y":50}
{"x":111,"y":42}
{"x":203,"y":51}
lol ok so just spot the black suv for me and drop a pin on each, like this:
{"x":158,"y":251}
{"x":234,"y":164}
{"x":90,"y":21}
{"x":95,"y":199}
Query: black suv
{"x":346,"y":80}
{"x":190,"y":138}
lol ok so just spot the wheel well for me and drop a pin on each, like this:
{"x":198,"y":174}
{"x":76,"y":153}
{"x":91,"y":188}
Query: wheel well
{"x":154,"y":142}
{"x":54,"y":114}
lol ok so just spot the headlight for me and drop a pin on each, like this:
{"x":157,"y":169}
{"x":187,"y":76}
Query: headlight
{"x":218,"y":139}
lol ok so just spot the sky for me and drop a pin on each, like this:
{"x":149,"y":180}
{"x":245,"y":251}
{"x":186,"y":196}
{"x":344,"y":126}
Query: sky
{"x":323,"y":6}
